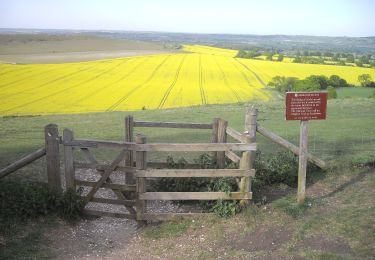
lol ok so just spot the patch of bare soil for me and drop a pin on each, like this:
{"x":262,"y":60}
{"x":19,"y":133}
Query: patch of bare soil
{"x":263,"y":239}
{"x":271,"y":193}
{"x":322,"y":244}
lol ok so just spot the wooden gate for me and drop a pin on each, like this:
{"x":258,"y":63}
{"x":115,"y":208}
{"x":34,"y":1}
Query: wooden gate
{"x":133,"y":194}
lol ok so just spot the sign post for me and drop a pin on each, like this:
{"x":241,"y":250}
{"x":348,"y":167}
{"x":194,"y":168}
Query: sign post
{"x":304,"y":106}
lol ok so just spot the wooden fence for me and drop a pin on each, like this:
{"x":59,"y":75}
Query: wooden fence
{"x":132,"y":161}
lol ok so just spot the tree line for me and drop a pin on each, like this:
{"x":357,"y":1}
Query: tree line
{"x":317,"y":83}
{"x":311,"y":57}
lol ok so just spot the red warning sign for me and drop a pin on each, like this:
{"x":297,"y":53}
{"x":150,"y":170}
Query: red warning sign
{"x":306,"y":105}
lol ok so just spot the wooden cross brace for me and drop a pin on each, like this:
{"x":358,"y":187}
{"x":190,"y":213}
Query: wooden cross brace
{"x":105,"y":177}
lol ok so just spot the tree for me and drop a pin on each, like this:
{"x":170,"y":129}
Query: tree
{"x":319,"y":79}
{"x":364,"y":79}
{"x":297,"y":59}
{"x":306,"y":85}
{"x":269,"y":56}
{"x":241,"y":54}
{"x":365,"y":60}
{"x":359,"y":63}
{"x":282,"y":83}
{"x":337,"y":82}
{"x":280,"y":57}
{"x":350,"y":58}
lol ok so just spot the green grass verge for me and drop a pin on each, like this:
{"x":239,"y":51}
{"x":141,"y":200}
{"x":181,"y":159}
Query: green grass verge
{"x":357,"y":92}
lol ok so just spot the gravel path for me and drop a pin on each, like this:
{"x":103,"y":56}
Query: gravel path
{"x":100,"y":237}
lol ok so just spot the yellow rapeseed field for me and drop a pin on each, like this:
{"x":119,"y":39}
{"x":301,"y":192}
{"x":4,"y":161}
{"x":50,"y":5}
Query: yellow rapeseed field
{"x":201,"y":75}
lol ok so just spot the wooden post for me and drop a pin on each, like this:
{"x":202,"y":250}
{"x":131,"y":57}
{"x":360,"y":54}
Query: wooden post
{"x":51,"y":134}
{"x":221,"y":138}
{"x":302,"y":162}
{"x":251,"y":128}
{"x":68,"y":160}
{"x":141,"y":164}
{"x":245,"y":164}
{"x":129,"y":158}
{"x":248,"y":158}
{"x":215,"y":125}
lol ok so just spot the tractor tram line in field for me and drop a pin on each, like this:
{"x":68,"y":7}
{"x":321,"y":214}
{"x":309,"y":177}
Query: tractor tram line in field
{"x":131,"y":92}
{"x":4,"y":86}
{"x":201,"y":87}
{"x":253,"y":87}
{"x":255,"y":74}
{"x":52,"y":81}
{"x":10,"y":70}
{"x":226,"y":81}
{"x":60,"y":91}
{"x":166,"y":94}
{"x":95,"y":92}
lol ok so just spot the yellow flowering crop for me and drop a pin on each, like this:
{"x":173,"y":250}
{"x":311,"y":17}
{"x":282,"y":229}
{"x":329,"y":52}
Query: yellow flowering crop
{"x":205,"y":75}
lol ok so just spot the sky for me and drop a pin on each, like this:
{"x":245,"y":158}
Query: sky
{"x":265,"y":17}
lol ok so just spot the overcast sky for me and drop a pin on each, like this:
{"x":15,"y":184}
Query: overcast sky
{"x":292,"y":17}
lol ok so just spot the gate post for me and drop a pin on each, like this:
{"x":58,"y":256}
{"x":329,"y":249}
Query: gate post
{"x":221,"y":138}
{"x":215,"y":126}
{"x":68,"y":160}
{"x":51,"y":135}
{"x":251,"y":129}
{"x":129,"y":158}
{"x":141,"y":164}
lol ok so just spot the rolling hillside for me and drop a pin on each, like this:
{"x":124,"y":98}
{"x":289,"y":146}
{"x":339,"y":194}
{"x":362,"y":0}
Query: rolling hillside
{"x":201,"y":75}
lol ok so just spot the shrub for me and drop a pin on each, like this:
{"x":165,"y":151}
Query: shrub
{"x":332,"y":94}
{"x":24,"y":200}
{"x":279,"y":168}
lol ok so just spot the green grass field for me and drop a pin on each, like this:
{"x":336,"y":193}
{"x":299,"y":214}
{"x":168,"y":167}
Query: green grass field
{"x":355,"y":92}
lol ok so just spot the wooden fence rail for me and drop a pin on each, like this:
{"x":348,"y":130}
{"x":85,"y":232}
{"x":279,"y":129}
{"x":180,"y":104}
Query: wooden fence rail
{"x":23,"y":161}
{"x":293,"y":148}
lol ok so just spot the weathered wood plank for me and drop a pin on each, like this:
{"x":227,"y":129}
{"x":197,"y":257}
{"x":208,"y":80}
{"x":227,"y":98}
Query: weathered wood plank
{"x":23,"y":162}
{"x":199,"y":147}
{"x":141,"y":164}
{"x":294,"y":149}
{"x":195,"y":147}
{"x":52,"y":139}
{"x":172,"y":125}
{"x":221,"y":138}
{"x":173,"y":216}
{"x":108,"y":214}
{"x":69,"y":160}
{"x":113,"y":201}
{"x":129,"y":158}
{"x":173,"y":173}
{"x":161,"y":165}
{"x":215,"y":126}
{"x":194,"y":196}
{"x":105,"y":175}
{"x":237,"y":135}
{"x":101,"y":143}
{"x":113,"y":186}
{"x":231,"y":155}
{"x":102,"y":167}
